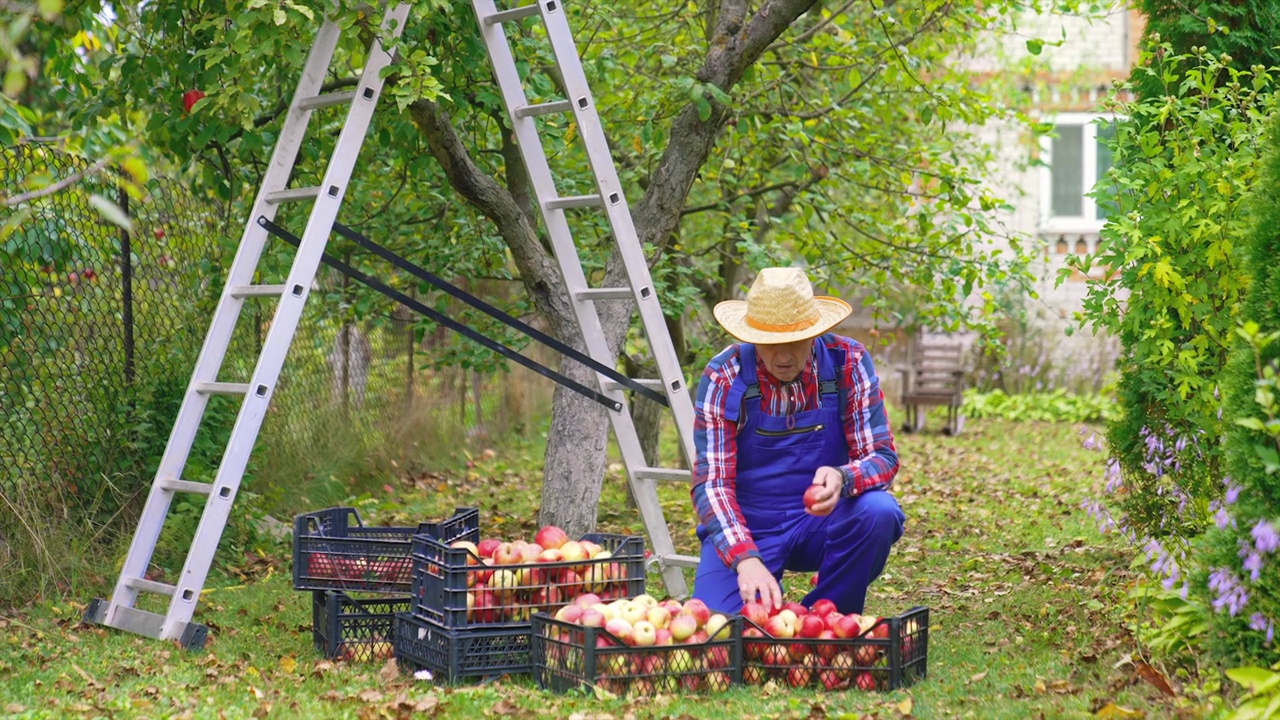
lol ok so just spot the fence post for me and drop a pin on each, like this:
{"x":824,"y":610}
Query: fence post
{"x":126,"y":282}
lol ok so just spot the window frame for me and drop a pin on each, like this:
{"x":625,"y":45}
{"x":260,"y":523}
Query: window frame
{"x":1088,"y":221}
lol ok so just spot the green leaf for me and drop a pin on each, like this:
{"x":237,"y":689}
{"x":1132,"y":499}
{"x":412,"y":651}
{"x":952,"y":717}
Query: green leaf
{"x":111,"y":211}
{"x":1253,"y":678}
{"x":1034,"y":46}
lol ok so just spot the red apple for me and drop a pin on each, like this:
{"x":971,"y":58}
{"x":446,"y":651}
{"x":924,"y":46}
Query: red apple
{"x":659,"y":616}
{"x":847,"y":627}
{"x":620,"y":629}
{"x":569,"y":614}
{"x":830,"y":679}
{"x":586,"y":600}
{"x":865,"y":681}
{"x":662,"y":636}
{"x":551,"y":537}
{"x":756,"y":613}
{"x":716,"y":658}
{"x":799,"y":676}
{"x":682,"y":627}
{"x":865,"y":654}
{"x":823,"y":608}
{"x":778,"y":627}
{"x":190,"y":98}
{"x":698,"y":609}
{"x":717,"y":681}
{"x":507,"y":554}
{"x":487,"y":546}
{"x":811,"y":498}
{"x":797,"y":608}
{"x":826,"y":651}
{"x":753,"y":675}
{"x":573,"y":551}
{"x":592,"y":617}
{"x":813,"y":581}
{"x":752,"y":650}
{"x":811,"y":626}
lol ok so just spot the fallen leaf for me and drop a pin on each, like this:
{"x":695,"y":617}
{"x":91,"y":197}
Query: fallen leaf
{"x":369,"y":695}
{"x":1040,"y":686}
{"x":426,"y":704}
{"x":1112,"y":711}
{"x":977,"y":677}
{"x":14,"y":709}
{"x":390,"y":671}
{"x":288,"y":664}
{"x":905,"y":706}
{"x":1153,"y":676}
{"x":257,"y":694}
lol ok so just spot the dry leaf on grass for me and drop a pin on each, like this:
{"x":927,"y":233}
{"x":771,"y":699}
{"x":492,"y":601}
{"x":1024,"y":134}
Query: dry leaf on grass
{"x":1112,"y":711}
{"x":1153,"y":676}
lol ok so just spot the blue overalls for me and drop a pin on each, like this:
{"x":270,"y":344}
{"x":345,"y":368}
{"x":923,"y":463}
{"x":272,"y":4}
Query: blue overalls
{"x":776,"y":460}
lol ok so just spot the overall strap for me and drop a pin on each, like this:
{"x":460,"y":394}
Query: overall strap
{"x":746,"y":387}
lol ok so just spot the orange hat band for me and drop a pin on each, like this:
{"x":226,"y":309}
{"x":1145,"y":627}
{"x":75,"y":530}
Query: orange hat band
{"x":789,"y":327}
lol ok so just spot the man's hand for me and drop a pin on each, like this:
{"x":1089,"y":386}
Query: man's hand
{"x":831,"y":482}
{"x":755,"y":579}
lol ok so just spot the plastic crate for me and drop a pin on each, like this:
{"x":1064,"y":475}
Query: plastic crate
{"x":334,"y":550}
{"x":453,"y":589}
{"x":897,"y":660}
{"x":455,"y":655}
{"x":357,"y":629}
{"x":567,"y":656}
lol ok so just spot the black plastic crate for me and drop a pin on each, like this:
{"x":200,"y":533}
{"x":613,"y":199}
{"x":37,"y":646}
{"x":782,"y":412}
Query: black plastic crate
{"x":453,"y":588}
{"x":334,"y":550}
{"x":456,"y":655}
{"x":892,"y":654}
{"x":568,"y":656}
{"x":357,"y":629}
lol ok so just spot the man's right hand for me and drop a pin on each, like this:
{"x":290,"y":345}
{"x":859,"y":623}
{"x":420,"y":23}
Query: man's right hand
{"x":754,"y":579}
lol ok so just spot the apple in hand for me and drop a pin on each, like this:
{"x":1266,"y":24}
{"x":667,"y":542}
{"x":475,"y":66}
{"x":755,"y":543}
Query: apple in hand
{"x":811,"y":498}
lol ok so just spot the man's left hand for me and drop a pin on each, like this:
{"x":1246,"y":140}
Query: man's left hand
{"x":831,"y":482}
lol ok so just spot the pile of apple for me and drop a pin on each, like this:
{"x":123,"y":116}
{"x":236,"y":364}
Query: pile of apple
{"x":646,"y":646}
{"x":509,"y":581}
{"x":379,"y":649}
{"x":802,"y":645}
{"x":359,"y":569}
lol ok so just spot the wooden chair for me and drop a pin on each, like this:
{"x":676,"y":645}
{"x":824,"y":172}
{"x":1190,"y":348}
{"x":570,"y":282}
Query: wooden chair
{"x":933,"y":376}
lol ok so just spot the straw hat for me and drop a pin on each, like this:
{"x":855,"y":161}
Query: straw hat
{"x":780,"y":308}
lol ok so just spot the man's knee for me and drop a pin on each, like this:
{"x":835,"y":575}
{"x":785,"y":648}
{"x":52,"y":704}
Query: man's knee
{"x":875,"y":512}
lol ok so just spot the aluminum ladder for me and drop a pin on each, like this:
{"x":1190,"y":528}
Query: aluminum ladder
{"x":175,"y":624}
{"x":609,"y":198}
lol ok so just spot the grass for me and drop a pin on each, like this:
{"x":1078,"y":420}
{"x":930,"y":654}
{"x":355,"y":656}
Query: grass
{"x":1027,"y":609}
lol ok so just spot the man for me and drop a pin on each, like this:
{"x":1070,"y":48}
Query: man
{"x":791,"y":406}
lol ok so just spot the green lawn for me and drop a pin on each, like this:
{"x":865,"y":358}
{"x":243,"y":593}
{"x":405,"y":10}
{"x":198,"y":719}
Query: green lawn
{"x":1026,"y":598}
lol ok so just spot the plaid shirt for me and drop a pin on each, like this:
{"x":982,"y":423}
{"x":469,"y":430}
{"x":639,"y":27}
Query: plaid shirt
{"x":873,"y":459}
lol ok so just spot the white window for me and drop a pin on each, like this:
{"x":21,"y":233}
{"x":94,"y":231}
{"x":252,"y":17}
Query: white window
{"x":1076,"y":157}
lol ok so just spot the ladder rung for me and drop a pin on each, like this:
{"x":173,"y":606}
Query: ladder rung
{"x":139,"y":622}
{"x":678,"y":560}
{"x":576,"y":201}
{"x":244,"y":291}
{"x":650,"y":383}
{"x":187,"y":486}
{"x":222,"y":388}
{"x":620,"y":293}
{"x":513,"y":14}
{"x":327,"y":100}
{"x":559,"y":106}
{"x":654,"y":473}
{"x":152,"y":586}
{"x":294,"y":195}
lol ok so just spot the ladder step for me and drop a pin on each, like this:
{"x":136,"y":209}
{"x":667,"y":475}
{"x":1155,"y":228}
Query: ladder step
{"x":575,"y":201}
{"x":244,"y":291}
{"x":619,"y":293}
{"x":187,"y":486}
{"x":559,"y":106}
{"x":139,"y":622}
{"x":653,"y":473}
{"x":513,"y":14}
{"x":294,"y":195}
{"x":222,"y":388}
{"x":650,"y":383}
{"x":327,"y":100}
{"x":152,"y":586}
{"x":678,"y":560}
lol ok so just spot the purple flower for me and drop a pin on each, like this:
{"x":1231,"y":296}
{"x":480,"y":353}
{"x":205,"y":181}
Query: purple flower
{"x":1264,"y":537}
{"x":1114,"y":478}
{"x":1253,"y":563}
{"x":1090,"y":442}
{"x":1222,"y":518}
{"x":1232,"y":596}
{"x":1232,"y":494}
{"x":1261,"y":623}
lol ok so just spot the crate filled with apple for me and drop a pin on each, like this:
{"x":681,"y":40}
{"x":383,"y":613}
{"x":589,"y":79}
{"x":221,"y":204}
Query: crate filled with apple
{"x":496,"y":583}
{"x":454,"y":655}
{"x":636,"y":647}
{"x":334,"y":550}
{"x":355,"y":629}
{"x":818,"y":647}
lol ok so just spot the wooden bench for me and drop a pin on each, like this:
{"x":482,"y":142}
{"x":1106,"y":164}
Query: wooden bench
{"x":934,"y":376}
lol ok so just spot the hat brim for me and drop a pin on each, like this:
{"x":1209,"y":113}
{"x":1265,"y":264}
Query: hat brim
{"x":732,"y":316}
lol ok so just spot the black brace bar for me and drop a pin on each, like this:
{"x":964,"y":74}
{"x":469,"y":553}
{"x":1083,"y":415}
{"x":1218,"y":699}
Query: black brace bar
{"x":497,"y":314}
{"x":445,"y":320}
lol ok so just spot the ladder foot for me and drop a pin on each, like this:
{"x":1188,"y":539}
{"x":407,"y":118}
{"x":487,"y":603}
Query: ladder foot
{"x":96,"y":612}
{"x":193,"y":636}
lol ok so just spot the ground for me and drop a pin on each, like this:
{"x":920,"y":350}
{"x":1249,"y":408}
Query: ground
{"x":1027,"y":601}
